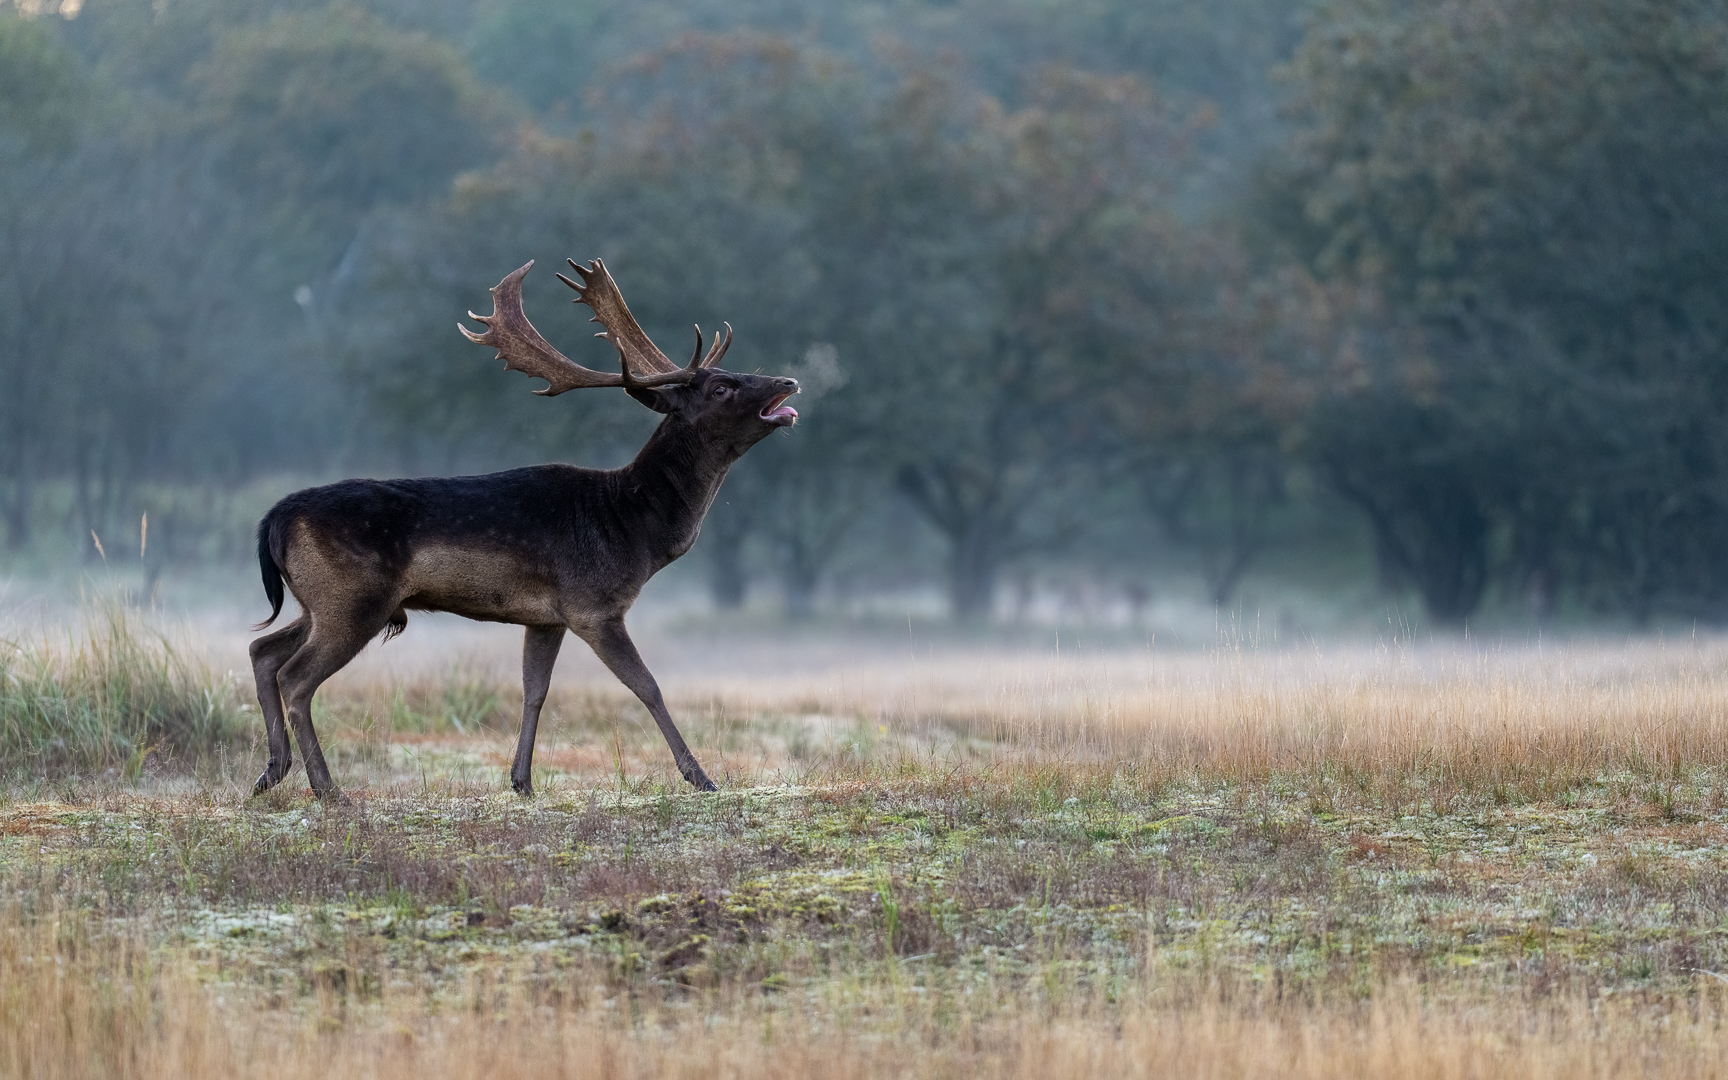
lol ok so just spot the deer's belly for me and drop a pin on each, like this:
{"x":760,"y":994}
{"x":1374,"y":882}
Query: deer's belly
{"x":479,"y":585}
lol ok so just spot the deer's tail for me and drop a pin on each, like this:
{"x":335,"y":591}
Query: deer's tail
{"x":270,"y":568}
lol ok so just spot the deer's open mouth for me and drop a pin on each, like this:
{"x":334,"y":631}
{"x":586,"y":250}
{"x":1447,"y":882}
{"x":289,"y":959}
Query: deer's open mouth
{"x":779,"y":414}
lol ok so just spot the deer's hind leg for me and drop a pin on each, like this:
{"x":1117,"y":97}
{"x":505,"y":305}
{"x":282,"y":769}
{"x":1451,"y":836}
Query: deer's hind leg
{"x":269,"y":653}
{"x":331,"y":643}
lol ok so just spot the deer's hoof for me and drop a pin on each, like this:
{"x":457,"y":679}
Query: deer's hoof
{"x":272,"y":775}
{"x":524,"y":788}
{"x":332,"y":796}
{"x":701,"y":782}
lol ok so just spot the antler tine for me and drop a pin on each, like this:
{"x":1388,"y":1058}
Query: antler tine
{"x":628,"y":378}
{"x":522,"y":348}
{"x":719,"y":348}
{"x":696,"y":357}
{"x":635,"y":351}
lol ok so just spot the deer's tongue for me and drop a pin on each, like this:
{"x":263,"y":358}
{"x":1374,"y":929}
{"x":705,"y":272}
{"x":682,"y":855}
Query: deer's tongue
{"x":778,"y":411}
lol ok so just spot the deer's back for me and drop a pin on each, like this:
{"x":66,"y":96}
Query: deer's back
{"x":510,"y":546}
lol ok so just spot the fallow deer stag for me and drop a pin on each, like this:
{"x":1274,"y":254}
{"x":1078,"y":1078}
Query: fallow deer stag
{"x":551,"y":548}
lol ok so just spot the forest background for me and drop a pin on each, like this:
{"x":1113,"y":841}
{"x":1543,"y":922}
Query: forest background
{"x":1421,"y":300}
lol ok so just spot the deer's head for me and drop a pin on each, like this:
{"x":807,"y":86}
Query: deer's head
{"x":733,"y":409}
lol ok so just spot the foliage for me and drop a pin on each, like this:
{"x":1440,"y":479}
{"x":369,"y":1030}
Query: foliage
{"x":41,"y":89}
{"x":1535,"y":188}
{"x":331,"y":110}
{"x":1089,"y":294}
{"x":303,"y":195}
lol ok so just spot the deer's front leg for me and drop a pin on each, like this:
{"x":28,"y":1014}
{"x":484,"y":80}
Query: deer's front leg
{"x":612,"y":644}
{"x":540,"y":646}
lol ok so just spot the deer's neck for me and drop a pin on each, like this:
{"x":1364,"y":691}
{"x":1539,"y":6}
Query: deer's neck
{"x":673,"y":482}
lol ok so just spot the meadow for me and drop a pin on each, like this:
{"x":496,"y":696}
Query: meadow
{"x":932,"y":856}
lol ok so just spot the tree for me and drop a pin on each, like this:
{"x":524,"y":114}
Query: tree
{"x":1545,"y":214}
{"x":331,"y":113}
{"x":43,"y":110}
{"x":1205,"y":420}
{"x":544,"y":51}
{"x":160,"y":224}
{"x":1062,"y":210}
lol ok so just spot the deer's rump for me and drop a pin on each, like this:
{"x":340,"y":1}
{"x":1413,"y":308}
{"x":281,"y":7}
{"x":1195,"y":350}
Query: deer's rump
{"x":478,"y":546}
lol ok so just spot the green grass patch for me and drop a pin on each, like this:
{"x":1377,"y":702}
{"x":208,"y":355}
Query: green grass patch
{"x":111,"y":694}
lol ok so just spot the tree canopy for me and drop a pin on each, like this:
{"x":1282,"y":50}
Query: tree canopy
{"x":1108,"y":285}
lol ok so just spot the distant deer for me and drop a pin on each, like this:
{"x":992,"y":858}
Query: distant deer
{"x":551,"y":547}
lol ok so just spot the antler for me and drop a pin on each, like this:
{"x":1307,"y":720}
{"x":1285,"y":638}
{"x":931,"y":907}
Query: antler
{"x":698,"y":361}
{"x":600,"y":292}
{"x":522,"y":348}
{"x":719,"y":349}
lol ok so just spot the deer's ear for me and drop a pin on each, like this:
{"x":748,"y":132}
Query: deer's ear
{"x":658,"y":400}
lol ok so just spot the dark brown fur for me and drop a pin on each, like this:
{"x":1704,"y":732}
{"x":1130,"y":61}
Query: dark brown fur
{"x":552,"y":548}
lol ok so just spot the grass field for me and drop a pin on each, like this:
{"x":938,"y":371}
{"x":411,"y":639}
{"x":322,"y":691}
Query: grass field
{"x":954,"y":859}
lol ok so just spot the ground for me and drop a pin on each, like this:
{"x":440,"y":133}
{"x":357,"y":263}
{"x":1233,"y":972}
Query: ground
{"x":1271,"y":846}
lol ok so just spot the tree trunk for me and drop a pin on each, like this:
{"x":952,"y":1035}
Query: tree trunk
{"x":800,"y":584}
{"x":1430,"y":531}
{"x":1223,"y":579}
{"x":973,"y":566}
{"x":20,"y":493}
{"x":982,"y":526}
{"x":1439,"y":543}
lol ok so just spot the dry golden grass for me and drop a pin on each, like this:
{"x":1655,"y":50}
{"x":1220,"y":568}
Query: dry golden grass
{"x":1456,"y":716}
{"x":76,"y":1005}
{"x":1242,"y":713}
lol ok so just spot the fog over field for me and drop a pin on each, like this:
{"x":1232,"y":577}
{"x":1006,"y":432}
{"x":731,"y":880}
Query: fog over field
{"x":1361,"y":858}
{"x":1244,"y":594}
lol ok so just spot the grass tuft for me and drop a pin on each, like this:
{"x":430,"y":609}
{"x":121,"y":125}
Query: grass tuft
{"x":113,"y":694}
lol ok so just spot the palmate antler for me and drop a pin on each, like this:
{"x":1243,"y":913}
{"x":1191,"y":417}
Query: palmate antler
{"x":635,"y":351}
{"x":522,"y":348}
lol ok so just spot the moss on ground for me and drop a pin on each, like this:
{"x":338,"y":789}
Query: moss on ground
{"x":965,"y":881}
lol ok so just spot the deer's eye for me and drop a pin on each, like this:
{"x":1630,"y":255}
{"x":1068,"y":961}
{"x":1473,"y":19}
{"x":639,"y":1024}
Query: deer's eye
{"x":719,"y":391}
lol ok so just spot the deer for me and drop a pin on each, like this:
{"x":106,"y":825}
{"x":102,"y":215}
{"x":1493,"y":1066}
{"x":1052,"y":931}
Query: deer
{"x":552,"y":548}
